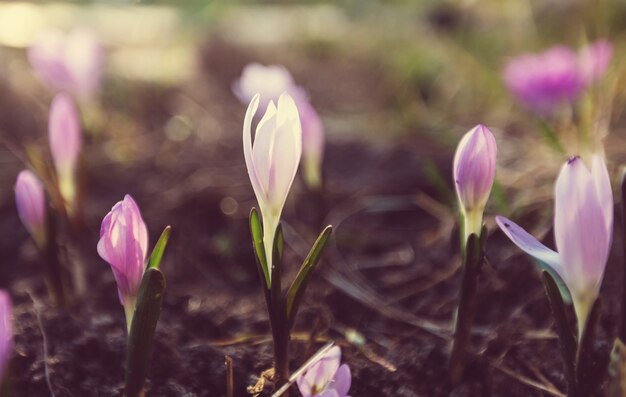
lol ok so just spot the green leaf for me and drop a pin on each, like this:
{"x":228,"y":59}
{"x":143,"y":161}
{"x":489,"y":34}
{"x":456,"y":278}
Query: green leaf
{"x":617,"y":370}
{"x":159,"y":248}
{"x":590,"y":367}
{"x":277,"y":256}
{"x":567,"y":341}
{"x":259,"y":250}
{"x":297,"y":288}
{"x":147,"y":312}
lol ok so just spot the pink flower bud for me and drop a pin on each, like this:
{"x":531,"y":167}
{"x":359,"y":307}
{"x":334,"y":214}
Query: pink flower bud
{"x":312,"y":144}
{"x":124,"y":245}
{"x":273,"y":161}
{"x":474,"y":170}
{"x":326,"y":377}
{"x":594,"y":59}
{"x":70,"y":62}
{"x":31,"y":205}
{"x":583,"y":230}
{"x":6,"y":331}
{"x":64,"y":134}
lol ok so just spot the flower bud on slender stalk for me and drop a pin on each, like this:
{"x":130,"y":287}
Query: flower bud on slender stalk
{"x":474,"y":170}
{"x":124,"y":245}
{"x":65,"y":143}
{"x":583,"y":230}
{"x":312,"y":145}
{"x":273,"y":160}
{"x":31,"y":206}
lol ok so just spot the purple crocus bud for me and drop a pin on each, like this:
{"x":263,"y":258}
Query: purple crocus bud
{"x":70,"y":62}
{"x":6,"y":331}
{"x":474,"y":170}
{"x":124,"y":245}
{"x":273,"y":161}
{"x":31,"y":205}
{"x":267,"y":81}
{"x":64,"y":134}
{"x":544,"y":81}
{"x":594,"y":59}
{"x":326,"y":378}
{"x":583,"y":230}
{"x":312,"y":144}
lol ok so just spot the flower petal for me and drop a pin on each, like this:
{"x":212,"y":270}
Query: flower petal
{"x":342,"y":381}
{"x":247,"y":150}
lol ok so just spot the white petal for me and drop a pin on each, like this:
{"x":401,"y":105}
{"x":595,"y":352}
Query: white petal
{"x":247,"y":149}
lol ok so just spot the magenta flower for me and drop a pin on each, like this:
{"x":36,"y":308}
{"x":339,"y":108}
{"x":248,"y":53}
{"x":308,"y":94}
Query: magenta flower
{"x":557,"y":76}
{"x":326,"y":378}
{"x":64,"y":134}
{"x":6,"y":331}
{"x":31,"y":205}
{"x":71,"y":62}
{"x":124,"y":245}
{"x":474,"y":170}
{"x":583,"y":229}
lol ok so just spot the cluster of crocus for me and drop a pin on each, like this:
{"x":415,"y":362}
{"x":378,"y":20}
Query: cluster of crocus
{"x":71,"y":62}
{"x":474,"y":170}
{"x":65,"y":136}
{"x":6,"y":332}
{"x":583,"y":229}
{"x":327,"y":377}
{"x":270,"y":82}
{"x":542,"y":82}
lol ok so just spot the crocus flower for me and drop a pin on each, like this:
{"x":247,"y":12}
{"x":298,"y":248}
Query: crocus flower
{"x":312,"y":144}
{"x":30,"y":200}
{"x":71,"y":62}
{"x":124,"y":245}
{"x":474,"y":170}
{"x":583,"y":229}
{"x":594,"y":59}
{"x":64,"y":135}
{"x":326,"y":378}
{"x":546,"y":80}
{"x":6,"y":331}
{"x":273,"y":161}
{"x":267,"y":81}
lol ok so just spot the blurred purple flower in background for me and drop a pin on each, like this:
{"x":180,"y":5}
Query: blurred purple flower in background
{"x":474,"y":171}
{"x":270,"y":82}
{"x":557,"y":76}
{"x":124,"y":245}
{"x":326,"y":378}
{"x":71,"y":62}
{"x":31,"y":205}
{"x":583,"y":230}
{"x":6,"y":331}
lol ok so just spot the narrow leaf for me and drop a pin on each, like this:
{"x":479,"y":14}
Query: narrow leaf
{"x":159,"y":248}
{"x":147,"y":312}
{"x":276,"y":287}
{"x":297,"y":288}
{"x":259,"y":250}
{"x":590,"y":367}
{"x":622,"y":326}
{"x":617,"y":370}
{"x":567,"y":341}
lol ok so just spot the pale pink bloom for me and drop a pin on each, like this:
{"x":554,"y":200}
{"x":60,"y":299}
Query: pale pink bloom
{"x":474,"y":170}
{"x":31,"y":205}
{"x":267,"y":81}
{"x":124,"y":245}
{"x":326,"y":378}
{"x":273,"y":161}
{"x":583,"y":230}
{"x":6,"y":331}
{"x":594,"y":60}
{"x":65,"y":136}
{"x":312,"y":144}
{"x":71,"y":62}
